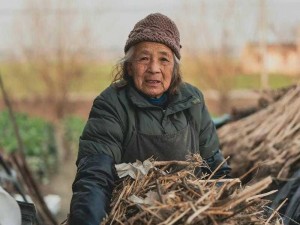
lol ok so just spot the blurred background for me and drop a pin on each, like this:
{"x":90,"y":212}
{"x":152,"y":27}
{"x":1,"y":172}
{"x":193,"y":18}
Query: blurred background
{"x":57,"y":56}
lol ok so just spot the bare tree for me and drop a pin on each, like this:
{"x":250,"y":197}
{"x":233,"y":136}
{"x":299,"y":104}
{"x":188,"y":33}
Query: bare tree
{"x":53,"y":47}
{"x":264,"y":75}
{"x":211,"y":59}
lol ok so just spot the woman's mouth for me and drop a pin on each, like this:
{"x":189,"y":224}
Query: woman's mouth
{"x":152,"y":81}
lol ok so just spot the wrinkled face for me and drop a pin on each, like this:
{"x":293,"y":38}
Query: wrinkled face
{"x":151,"y":68}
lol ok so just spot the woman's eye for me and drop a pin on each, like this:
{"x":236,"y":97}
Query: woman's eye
{"x":164,"y":59}
{"x":143,"y":59}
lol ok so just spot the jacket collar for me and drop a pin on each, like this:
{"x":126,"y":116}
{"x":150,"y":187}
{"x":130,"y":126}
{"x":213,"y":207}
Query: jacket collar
{"x":184,"y":99}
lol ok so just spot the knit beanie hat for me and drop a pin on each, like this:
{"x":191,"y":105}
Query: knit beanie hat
{"x":156,"y":28}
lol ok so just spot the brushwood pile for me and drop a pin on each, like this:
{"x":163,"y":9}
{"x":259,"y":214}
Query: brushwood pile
{"x":172,"y":193}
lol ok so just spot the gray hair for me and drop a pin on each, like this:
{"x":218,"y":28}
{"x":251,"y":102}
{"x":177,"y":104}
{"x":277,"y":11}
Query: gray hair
{"x":120,"y":71}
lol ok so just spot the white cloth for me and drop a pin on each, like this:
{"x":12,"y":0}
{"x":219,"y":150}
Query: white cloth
{"x":10,"y":213}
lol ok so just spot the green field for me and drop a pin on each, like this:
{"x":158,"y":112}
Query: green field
{"x":252,"y":81}
{"x":21,"y":82}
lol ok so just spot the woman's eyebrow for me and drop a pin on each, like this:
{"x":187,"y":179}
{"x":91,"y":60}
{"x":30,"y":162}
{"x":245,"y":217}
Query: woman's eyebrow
{"x":164,"y":53}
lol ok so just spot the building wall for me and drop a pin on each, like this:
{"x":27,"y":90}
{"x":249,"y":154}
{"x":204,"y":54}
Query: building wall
{"x":280,"y":58}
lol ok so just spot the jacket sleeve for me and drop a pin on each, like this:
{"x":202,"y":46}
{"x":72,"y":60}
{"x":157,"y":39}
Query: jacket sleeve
{"x":92,"y":190}
{"x":208,"y":139}
{"x":209,"y":144}
{"x":100,"y":147}
{"x":104,"y":130}
{"x":214,"y":161}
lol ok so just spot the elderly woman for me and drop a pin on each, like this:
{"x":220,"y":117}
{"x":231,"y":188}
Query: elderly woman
{"x":148,"y":111}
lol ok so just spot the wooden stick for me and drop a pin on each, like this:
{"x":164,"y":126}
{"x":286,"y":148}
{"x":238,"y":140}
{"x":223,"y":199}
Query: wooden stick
{"x":275,"y":211}
{"x":21,"y":163}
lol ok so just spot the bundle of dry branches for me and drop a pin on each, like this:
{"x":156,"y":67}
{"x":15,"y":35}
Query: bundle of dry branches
{"x":179,"y":197}
{"x":269,"y":138}
{"x":270,"y":96}
{"x":266,"y":98}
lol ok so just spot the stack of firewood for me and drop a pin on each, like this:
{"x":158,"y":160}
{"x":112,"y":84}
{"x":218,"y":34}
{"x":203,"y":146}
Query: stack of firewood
{"x":268,"y":139}
{"x":171,"y":193}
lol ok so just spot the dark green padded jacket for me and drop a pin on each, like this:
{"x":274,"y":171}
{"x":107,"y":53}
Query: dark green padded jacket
{"x":111,"y":121}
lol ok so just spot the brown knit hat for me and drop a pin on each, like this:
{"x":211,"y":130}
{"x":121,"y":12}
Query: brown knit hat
{"x":157,"y":28}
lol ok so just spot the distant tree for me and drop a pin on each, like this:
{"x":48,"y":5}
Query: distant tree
{"x":210,"y":50}
{"x":52,"y":47}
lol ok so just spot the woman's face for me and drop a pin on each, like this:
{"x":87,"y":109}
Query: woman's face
{"x":151,"y":68}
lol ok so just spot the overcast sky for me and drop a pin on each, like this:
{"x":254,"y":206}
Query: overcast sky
{"x":112,"y":20}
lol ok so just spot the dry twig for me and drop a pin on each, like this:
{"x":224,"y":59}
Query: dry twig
{"x":269,"y":138}
{"x":182,"y":198}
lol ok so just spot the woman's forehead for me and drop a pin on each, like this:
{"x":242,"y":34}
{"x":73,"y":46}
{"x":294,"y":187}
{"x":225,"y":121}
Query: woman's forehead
{"x":152,"y":47}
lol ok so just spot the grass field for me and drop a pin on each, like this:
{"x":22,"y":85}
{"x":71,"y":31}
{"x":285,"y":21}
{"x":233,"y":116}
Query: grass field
{"x":25,"y":83}
{"x":98,"y":76}
{"x":251,"y":81}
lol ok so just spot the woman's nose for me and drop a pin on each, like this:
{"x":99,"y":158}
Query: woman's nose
{"x":154,"y":66}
